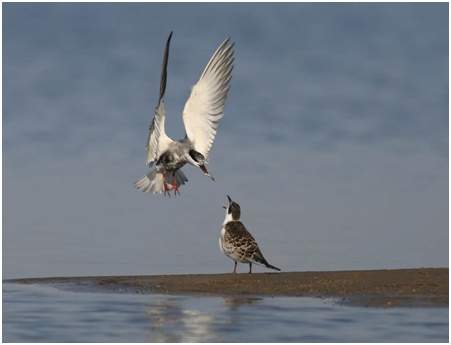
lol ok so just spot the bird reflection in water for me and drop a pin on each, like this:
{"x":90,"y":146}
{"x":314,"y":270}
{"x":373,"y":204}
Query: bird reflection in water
{"x":174,"y":319}
{"x":170,"y":321}
{"x":235,"y":302}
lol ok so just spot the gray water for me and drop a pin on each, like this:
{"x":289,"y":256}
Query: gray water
{"x":48,"y":314}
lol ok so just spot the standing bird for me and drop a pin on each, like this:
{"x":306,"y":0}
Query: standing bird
{"x":201,"y":114}
{"x":236,"y":242}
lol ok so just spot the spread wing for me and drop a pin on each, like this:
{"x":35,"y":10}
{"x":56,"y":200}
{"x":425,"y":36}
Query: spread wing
{"x":157,"y":140}
{"x":205,"y":106}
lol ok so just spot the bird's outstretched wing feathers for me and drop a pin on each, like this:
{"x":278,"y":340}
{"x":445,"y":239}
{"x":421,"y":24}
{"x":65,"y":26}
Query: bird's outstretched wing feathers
{"x":205,"y":106}
{"x":157,"y":140}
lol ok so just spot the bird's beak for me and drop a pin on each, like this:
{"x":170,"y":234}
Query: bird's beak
{"x":230,"y":201}
{"x":205,"y":171}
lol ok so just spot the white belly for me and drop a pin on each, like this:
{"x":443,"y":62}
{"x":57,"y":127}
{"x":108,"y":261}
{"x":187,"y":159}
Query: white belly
{"x":221,"y":239}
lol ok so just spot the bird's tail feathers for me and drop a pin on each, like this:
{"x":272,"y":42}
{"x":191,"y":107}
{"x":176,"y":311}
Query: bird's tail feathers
{"x":272,"y":267}
{"x":154,"y":181}
{"x":259,"y":259}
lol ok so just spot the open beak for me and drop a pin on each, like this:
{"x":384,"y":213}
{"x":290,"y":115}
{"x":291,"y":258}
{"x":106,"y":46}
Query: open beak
{"x":205,"y":171}
{"x":230,"y":201}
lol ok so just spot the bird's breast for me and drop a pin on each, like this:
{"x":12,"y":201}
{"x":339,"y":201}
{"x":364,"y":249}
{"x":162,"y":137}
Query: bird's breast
{"x":171,"y":160}
{"x":221,"y":240}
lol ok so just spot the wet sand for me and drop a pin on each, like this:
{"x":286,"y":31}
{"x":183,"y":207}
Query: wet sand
{"x":374,"y":288}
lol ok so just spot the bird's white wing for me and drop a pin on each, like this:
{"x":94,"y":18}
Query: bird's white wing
{"x":205,"y":106}
{"x":157,"y":140}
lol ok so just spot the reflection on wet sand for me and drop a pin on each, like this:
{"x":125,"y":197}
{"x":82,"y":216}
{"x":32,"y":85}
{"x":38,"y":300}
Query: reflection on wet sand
{"x":170,"y":321}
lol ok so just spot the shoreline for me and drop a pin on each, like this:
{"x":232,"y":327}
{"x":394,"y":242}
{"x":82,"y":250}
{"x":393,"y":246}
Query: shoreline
{"x":417,"y":287}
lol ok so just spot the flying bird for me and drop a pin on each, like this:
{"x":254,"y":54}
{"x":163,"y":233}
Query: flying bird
{"x":236,"y":242}
{"x":201,"y":114}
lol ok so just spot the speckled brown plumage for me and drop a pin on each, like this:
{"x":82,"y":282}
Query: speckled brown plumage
{"x":238,"y":244}
{"x":238,"y":240}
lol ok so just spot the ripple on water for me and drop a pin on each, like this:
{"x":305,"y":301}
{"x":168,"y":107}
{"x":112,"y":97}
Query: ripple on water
{"x":39,"y":313}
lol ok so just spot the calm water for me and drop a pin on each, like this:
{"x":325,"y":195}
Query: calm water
{"x":48,"y":314}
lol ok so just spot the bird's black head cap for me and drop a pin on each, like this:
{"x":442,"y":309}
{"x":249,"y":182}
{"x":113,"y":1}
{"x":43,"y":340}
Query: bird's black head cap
{"x":234,"y":209}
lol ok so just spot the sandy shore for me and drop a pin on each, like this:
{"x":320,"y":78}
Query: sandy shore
{"x":386,"y":288}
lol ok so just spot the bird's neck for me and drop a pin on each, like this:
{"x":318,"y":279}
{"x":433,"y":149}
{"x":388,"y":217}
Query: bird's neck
{"x":228,"y":218}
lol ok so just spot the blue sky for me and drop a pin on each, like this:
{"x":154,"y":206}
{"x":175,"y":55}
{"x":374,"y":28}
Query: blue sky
{"x":334,"y":139}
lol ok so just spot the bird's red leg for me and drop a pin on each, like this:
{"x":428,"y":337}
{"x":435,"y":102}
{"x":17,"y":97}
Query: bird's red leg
{"x":174,"y":186}
{"x":165,"y":186}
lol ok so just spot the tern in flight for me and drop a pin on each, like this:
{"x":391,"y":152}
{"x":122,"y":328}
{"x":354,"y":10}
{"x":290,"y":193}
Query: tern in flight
{"x":201,"y":115}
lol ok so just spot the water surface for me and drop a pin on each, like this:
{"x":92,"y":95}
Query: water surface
{"x":47,"y":314}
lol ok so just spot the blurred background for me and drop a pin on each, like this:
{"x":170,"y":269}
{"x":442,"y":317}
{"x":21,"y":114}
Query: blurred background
{"x":334,"y":139}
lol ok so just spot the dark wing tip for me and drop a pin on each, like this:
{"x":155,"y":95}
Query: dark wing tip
{"x":227,"y":44}
{"x":164,"y":68}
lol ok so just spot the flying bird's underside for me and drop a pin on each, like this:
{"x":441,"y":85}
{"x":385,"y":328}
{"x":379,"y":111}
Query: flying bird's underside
{"x":201,"y":115}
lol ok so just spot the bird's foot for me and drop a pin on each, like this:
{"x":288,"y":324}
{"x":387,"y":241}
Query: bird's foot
{"x":175,"y":187}
{"x":166,"y":189}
